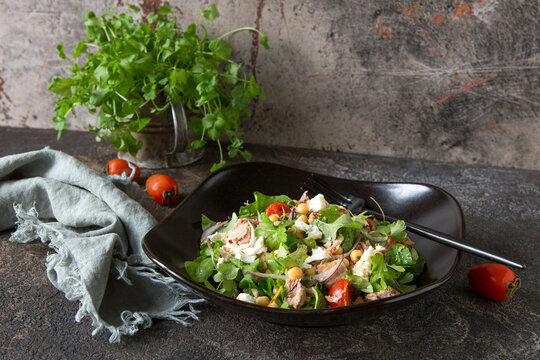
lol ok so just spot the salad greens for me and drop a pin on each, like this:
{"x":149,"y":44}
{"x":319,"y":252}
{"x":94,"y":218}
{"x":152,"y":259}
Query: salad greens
{"x":125,"y":66}
{"x":265,"y":256}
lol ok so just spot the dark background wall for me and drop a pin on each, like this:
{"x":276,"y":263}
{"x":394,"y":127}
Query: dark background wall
{"x":454,"y":81}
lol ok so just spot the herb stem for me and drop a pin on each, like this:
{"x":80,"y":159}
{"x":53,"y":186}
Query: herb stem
{"x":120,"y":95}
{"x":220,"y":151}
{"x":246,"y":28}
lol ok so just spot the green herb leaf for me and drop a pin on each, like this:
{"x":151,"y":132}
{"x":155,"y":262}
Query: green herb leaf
{"x":206,"y":222}
{"x":210,"y":14}
{"x":80,"y":48}
{"x":293,"y":259}
{"x":261,"y":203}
{"x":264,"y":42}
{"x":137,"y":66}
{"x":200,"y":270}
{"x":274,"y":236}
{"x":61,"y":53}
{"x":320,"y":300}
{"x":359,"y":283}
{"x":229,"y":271}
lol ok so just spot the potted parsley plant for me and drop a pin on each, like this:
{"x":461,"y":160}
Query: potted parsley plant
{"x":127,"y":72}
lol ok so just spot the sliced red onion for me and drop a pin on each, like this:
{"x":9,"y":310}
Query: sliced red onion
{"x":304,"y":197}
{"x":353,"y":247}
{"x":335,"y":269}
{"x":211,"y":250}
{"x":265,"y":275}
{"x":327,"y":275}
{"x":212,"y":229}
{"x":291,"y":214}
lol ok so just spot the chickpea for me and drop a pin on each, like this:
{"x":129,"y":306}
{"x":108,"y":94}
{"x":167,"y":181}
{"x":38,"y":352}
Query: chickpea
{"x":273,"y":304}
{"x":262,"y":300}
{"x":310,"y":272}
{"x":302,"y":209}
{"x":295,"y":272}
{"x":274,"y":217}
{"x":355,"y":255}
{"x":339,"y":251}
{"x":346,"y":262}
{"x":303,"y":218}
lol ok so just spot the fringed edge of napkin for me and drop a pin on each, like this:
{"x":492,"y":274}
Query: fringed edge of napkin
{"x":29,"y":228}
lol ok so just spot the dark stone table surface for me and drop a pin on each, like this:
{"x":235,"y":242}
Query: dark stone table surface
{"x":502,"y":210}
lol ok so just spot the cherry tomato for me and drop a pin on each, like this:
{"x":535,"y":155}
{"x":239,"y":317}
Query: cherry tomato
{"x":121,"y":166}
{"x":494,"y":281}
{"x":279,"y":208}
{"x":162,"y":188}
{"x":341,"y":291}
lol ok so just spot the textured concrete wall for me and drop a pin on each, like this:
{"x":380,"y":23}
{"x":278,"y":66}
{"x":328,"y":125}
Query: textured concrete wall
{"x":440,"y":80}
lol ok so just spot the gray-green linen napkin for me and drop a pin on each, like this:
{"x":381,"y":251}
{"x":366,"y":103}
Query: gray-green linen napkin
{"x":96,"y":231}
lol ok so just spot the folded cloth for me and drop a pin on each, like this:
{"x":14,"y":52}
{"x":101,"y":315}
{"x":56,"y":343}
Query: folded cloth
{"x":96,"y":231}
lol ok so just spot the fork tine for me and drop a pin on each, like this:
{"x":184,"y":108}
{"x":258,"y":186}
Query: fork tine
{"x":315,"y":187}
{"x":313,"y":190}
{"x":329,"y":189}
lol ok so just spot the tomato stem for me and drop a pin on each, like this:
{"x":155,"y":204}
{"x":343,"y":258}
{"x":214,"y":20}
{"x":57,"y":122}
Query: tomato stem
{"x":512,"y":287}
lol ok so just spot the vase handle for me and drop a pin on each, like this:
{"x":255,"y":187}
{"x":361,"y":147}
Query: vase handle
{"x":178,"y":116}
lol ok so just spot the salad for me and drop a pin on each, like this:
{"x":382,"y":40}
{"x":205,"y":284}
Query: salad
{"x":304,"y":254}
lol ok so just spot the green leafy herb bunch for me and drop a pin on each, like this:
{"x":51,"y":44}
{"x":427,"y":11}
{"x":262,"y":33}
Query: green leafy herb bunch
{"x":126,"y":65}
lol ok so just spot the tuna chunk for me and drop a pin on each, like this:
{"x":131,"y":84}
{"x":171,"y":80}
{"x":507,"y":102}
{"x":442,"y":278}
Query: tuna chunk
{"x":296,"y":293}
{"x":389,"y":291}
{"x":333,"y":246}
{"x":240,"y":232}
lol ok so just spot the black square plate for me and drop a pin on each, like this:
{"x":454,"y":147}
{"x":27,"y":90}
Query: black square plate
{"x":176,"y":239}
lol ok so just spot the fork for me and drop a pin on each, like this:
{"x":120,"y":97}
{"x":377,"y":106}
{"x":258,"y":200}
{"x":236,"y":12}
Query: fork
{"x":355,"y":204}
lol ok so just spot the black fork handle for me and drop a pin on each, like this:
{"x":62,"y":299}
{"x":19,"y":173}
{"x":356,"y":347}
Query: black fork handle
{"x":450,"y":241}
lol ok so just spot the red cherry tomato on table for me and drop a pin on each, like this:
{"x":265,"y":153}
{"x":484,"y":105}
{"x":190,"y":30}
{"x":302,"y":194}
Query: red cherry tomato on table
{"x":341,"y":292}
{"x":162,"y":188}
{"x":121,"y":166}
{"x":494,"y":281}
{"x":279,"y":208}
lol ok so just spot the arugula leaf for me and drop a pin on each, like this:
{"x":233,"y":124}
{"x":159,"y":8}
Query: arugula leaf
{"x":329,"y":231}
{"x":293,"y":259}
{"x":330,"y":214}
{"x":349,"y":238}
{"x":320,"y":300}
{"x":359,"y":283}
{"x":274,"y":265}
{"x":206,"y":222}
